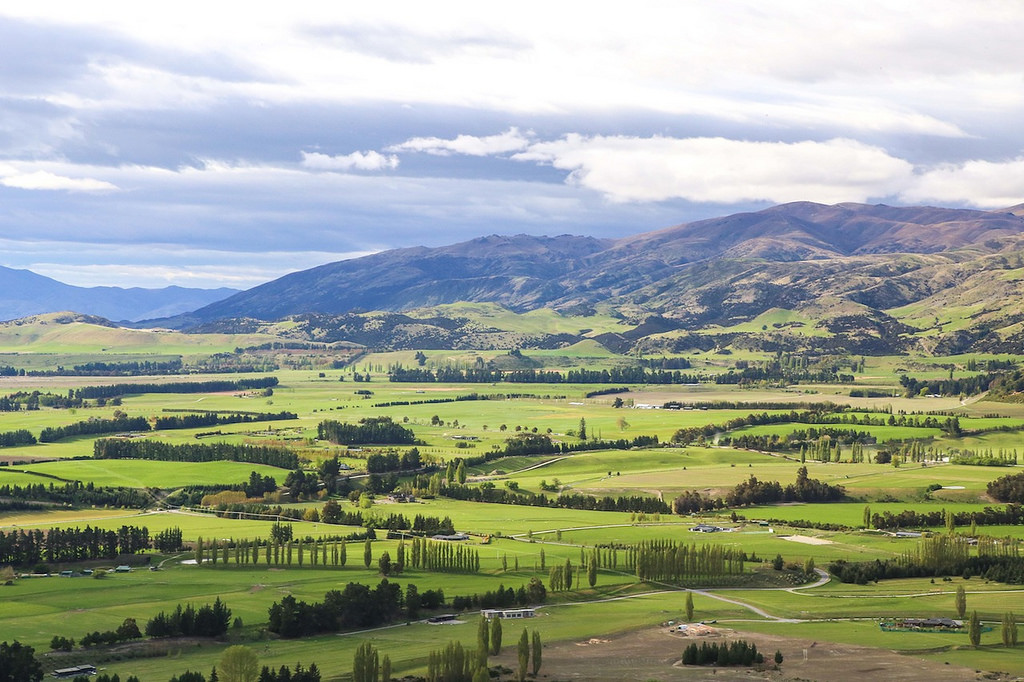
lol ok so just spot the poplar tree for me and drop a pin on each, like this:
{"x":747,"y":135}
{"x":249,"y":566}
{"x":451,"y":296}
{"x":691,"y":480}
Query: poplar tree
{"x":523,"y":654}
{"x":961,"y":601}
{"x":495,"y":636}
{"x":536,"y":653}
{"x":482,"y":644}
{"x":974,"y":629}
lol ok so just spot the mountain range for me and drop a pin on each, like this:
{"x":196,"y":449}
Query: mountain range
{"x":938,"y":278}
{"x":24,"y":293}
{"x":847,"y":277}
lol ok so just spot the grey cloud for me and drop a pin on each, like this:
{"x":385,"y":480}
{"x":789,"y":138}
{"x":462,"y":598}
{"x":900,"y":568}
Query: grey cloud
{"x":38,"y":58}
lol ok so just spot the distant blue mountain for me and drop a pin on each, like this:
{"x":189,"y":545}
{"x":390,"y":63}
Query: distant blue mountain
{"x":23,"y":293}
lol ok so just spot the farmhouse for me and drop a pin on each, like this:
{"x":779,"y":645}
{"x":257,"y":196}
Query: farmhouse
{"x":705,"y":528}
{"x":507,"y":613}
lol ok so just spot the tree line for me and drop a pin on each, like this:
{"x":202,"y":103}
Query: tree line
{"x":117,"y":448}
{"x":192,"y":421}
{"x":615,"y":375}
{"x":27,"y":547}
{"x":679,"y":564}
{"x":625,"y":503}
{"x":117,"y":390}
{"x":1011,"y":515}
{"x":78,"y":494}
{"x":119,"y":423}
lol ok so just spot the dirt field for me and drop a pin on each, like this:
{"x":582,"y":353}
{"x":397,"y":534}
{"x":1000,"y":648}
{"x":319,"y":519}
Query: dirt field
{"x":806,"y":539}
{"x":654,"y":654}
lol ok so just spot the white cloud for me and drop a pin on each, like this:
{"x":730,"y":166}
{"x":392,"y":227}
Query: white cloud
{"x":509,"y":141}
{"x":724,"y":171}
{"x":986,"y":184}
{"x":45,"y":180}
{"x":368,"y":161}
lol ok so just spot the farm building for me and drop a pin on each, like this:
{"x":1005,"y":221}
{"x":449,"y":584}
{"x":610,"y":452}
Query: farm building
{"x":442,"y":618}
{"x":451,"y":538}
{"x":87,"y":670}
{"x":705,"y":528}
{"x":930,"y":623}
{"x":507,"y":613}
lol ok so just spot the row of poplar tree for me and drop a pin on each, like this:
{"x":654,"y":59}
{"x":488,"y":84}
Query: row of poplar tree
{"x":455,"y":663}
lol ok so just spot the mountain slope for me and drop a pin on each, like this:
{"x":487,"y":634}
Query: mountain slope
{"x":691,"y":272}
{"x":24,"y":293}
{"x":520,"y":272}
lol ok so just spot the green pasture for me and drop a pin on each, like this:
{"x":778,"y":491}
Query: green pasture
{"x":139,"y":473}
{"x":846,"y":513}
{"x":36,"y":609}
{"x":882,"y":433}
{"x":409,"y":645}
{"x":44,"y":335}
{"x":952,"y":648}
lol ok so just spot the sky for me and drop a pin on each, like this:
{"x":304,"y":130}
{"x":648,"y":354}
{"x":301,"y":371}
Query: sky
{"x":226,"y":144}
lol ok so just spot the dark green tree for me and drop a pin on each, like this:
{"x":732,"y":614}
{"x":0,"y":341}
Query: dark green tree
{"x":974,"y":629}
{"x":536,"y":653}
{"x":495,"y":636}
{"x":18,"y":663}
{"x":523,"y":655}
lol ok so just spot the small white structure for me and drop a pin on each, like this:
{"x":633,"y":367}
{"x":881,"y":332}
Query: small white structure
{"x":507,"y":613}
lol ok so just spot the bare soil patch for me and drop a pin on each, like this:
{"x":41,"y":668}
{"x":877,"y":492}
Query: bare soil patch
{"x":655,"y":653}
{"x":807,"y":539}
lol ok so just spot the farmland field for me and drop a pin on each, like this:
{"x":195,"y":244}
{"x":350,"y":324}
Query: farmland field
{"x":524,"y":511}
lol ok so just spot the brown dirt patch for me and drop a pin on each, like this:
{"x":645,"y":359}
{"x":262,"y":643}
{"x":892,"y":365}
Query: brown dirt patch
{"x":654,"y":654}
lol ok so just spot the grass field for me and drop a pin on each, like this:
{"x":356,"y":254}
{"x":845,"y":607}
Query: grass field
{"x":34,"y":609}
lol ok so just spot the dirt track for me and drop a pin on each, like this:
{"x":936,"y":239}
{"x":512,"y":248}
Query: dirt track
{"x":654,"y":654}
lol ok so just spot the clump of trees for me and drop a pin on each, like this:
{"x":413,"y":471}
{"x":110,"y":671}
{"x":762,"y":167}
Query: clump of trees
{"x":753,"y":491}
{"x":126,"y":631}
{"x":356,"y":606}
{"x":735,"y":653}
{"x":209,"y":620}
{"x":10,"y":439}
{"x":1009,"y":488}
{"x":533,"y":592}
{"x":381,"y":430}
